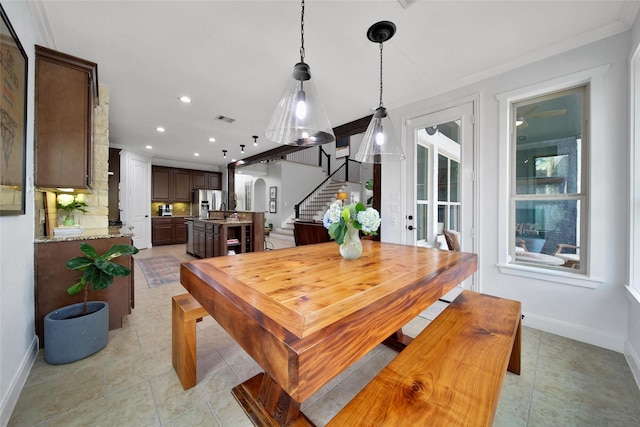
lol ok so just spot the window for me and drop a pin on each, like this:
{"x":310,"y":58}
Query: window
{"x":634,"y":214}
{"x":548,"y":192}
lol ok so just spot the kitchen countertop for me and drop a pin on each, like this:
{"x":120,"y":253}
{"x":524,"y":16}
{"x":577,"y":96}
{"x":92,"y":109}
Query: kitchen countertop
{"x":91,"y":234}
{"x":225,"y":221}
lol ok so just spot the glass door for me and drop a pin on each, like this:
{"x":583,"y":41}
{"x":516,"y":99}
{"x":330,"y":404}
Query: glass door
{"x":442,"y":184}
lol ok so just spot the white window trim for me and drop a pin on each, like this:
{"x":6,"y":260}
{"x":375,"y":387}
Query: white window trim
{"x":593,"y":276}
{"x":633,"y":286}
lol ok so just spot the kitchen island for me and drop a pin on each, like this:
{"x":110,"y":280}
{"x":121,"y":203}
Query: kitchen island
{"x":213,"y":237}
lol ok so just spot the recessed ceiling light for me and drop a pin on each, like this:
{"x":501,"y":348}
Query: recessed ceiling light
{"x":185,"y":99}
{"x":160,"y":129}
{"x":212,"y":139}
{"x":148,"y":147}
{"x":196,"y":154}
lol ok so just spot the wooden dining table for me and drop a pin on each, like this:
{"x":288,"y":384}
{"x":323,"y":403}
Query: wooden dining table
{"x":305,"y":314}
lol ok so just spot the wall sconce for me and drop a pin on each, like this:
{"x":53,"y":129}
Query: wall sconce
{"x":224,"y":153}
{"x":255,"y":140}
{"x":241,"y":148}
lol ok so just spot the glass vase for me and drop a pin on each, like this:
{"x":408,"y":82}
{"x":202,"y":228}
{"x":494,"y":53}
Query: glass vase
{"x":351,"y":247}
{"x":68,"y":220}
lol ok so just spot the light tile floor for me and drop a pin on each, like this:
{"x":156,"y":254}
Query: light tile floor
{"x":131,"y":382}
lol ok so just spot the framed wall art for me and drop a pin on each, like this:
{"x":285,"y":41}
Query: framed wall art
{"x":13,"y":120}
{"x":272,"y":206}
{"x":273,"y":192}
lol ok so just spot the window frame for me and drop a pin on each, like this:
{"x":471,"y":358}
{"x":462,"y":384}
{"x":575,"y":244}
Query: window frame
{"x":581,"y":196}
{"x":591,"y":277}
{"x":633,"y":286}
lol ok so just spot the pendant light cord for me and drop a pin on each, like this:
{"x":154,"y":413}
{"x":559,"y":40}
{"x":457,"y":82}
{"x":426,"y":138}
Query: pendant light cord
{"x":302,"y":33}
{"x":381,"y":74}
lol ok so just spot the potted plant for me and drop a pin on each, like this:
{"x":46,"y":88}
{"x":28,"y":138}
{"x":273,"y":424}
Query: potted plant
{"x":80,"y":330}
{"x":68,"y":203}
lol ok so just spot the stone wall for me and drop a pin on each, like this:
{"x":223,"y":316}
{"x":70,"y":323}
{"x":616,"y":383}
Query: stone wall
{"x":98,"y":200}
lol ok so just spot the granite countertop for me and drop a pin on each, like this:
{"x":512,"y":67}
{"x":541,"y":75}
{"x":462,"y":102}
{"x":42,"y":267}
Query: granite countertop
{"x":92,"y":234}
{"x":225,"y":221}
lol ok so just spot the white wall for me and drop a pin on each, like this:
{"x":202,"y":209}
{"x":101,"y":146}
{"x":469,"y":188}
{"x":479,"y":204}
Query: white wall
{"x":18,"y":343}
{"x":597,"y":316}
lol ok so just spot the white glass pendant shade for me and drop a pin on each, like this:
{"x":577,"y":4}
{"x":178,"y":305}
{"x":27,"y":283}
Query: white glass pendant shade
{"x":300,"y":118}
{"x":380,"y":144}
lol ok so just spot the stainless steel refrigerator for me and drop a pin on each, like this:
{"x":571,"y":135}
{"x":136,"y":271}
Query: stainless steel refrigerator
{"x":206,"y":200}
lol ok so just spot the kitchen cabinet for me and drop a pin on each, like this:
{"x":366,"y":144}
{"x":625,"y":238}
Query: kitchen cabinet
{"x":199,"y":239}
{"x":65,"y":96}
{"x":52,"y":278}
{"x":180,"y":228}
{"x":214,"y":181}
{"x":182,"y":185}
{"x":207,"y":180}
{"x":200,"y":180}
{"x":162,"y":231}
{"x":168,"y":231}
{"x":170,"y":184}
{"x":161,"y":184}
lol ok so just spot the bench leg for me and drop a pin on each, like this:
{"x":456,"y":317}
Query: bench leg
{"x":514,"y":361}
{"x":183,"y":355}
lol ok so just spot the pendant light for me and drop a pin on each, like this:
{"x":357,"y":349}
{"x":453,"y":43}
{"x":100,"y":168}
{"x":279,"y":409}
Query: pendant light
{"x":299,"y":118}
{"x":255,"y":140}
{"x":380,"y":143}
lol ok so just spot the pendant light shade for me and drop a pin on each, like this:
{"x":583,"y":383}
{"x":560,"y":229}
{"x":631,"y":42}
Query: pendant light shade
{"x":300,"y":118}
{"x":380,"y":143}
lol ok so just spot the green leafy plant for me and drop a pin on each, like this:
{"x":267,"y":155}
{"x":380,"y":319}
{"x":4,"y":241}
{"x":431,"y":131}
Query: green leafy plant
{"x":98,"y":269}
{"x":337,"y":218}
{"x":369,"y":186}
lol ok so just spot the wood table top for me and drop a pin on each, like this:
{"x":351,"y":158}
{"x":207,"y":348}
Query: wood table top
{"x":306,"y":288}
{"x":305,"y":314}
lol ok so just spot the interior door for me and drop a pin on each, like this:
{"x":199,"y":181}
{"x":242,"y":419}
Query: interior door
{"x":138,"y":187}
{"x":441,"y":189}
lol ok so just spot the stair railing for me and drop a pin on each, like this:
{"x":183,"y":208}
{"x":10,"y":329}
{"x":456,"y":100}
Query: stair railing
{"x":341,"y":174}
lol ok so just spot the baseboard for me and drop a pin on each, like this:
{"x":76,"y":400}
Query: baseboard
{"x":11,"y":398}
{"x":633,"y":359}
{"x":575,"y":332}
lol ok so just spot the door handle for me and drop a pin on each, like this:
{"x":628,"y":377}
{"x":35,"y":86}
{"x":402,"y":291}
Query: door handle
{"x":146,"y":216}
{"x":411,"y":227}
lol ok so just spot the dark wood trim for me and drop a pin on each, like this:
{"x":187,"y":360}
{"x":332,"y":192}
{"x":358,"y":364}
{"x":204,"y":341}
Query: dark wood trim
{"x":352,"y":128}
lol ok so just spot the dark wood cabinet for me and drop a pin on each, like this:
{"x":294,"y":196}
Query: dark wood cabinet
{"x":200,"y":180}
{"x":214,"y":181}
{"x":65,"y":96}
{"x":199,"y":241}
{"x":161,"y":184}
{"x":180,"y":230}
{"x":53,"y":278}
{"x":207,"y":180}
{"x":182,"y":185}
{"x":175,"y":184}
{"x":162,"y":231}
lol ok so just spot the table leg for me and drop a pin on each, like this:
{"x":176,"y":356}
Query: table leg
{"x":397,"y":341}
{"x":268,"y":405}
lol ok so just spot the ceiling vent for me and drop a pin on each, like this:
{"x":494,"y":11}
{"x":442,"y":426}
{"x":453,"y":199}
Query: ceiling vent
{"x":406,"y":3}
{"x":225,"y":119}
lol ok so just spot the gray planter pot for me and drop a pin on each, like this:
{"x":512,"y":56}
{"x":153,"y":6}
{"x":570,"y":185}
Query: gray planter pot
{"x":68,"y":338}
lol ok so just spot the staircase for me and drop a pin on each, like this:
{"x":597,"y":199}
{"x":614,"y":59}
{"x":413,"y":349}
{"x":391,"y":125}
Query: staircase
{"x":313,"y":208}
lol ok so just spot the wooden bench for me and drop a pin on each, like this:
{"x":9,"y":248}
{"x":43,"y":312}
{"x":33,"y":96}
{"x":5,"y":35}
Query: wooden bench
{"x":452,"y":372}
{"x":185,"y":312}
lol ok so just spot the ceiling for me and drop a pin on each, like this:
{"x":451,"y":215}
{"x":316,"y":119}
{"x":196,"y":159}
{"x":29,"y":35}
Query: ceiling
{"x":234,"y":58}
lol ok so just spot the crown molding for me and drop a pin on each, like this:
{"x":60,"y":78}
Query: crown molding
{"x":39,"y":14}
